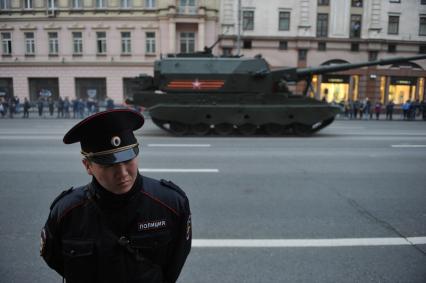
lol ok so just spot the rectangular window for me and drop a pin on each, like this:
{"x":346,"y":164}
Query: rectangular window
{"x":423,"y":2}
{"x":395,"y":1}
{"x":391,"y":48}
{"x":150,"y":4}
{"x":51,"y":4}
{"x":150,"y":42}
{"x":322,"y":46}
{"x":422,"y":27}
{"x":6,"y":43}
{"x":126,"y":4}
{"x":226,"y":51}
{"x":354,"y":46}
{"x":284,"y":21}
{"x":126,"y":42}
{"x":356,"y":3}
{"x":76,"y":4}
{"x":373,"y":55}
{"x":355,"y":26}
{"x":322,"y":25}
{"x":422,"y":49}
{"x":248,"y":20}
{"x":302,"y":54}
{"x":247,"y":44}
{"x":53,"y":43}
{"x":283,"y":45}
{"x":323,"y":2}
{"x":29,"y":43}
{"x":100,"y":4}
{"x":28,"y":4}
{"x":101,"y":42}
{"x":187,"y":42}
{"x":393,"y":25}
{"x":77,"y":43}
{"x":4,"y":4}
{"x":187,"y":7}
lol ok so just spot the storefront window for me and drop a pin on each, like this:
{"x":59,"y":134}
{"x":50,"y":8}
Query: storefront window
{"x":421,"y":89}
{"x":335,"y":88}
{"x":90,"y":89}
{"x":401,"y":93}
{"x":402,"y":89}
{"x":44,"y":88}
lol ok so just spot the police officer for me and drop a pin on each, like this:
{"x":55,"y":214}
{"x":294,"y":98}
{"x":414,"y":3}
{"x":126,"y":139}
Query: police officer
{"x":122,"y":226}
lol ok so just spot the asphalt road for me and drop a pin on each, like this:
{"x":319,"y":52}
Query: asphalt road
{"x":347,"y":205}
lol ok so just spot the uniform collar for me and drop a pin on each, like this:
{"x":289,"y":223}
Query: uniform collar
{"x":110,"y":199}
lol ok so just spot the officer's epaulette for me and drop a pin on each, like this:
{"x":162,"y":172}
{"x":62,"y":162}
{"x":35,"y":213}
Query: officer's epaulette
{"x":173,"y":186}
{"x":61,"y":195}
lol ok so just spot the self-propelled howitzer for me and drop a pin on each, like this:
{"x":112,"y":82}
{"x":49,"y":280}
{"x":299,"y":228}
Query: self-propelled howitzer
{"x":227,"y":95}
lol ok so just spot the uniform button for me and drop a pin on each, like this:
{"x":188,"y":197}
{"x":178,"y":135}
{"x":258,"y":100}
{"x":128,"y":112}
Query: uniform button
{"x":72,"y":252}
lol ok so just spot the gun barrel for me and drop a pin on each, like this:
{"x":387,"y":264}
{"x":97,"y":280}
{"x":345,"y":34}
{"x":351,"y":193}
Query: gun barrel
{"x":306,"y":72}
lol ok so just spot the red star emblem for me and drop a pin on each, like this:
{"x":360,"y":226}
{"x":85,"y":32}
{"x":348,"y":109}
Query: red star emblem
{"x":196,"y":84}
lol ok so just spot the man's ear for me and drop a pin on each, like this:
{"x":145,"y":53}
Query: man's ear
{"x":87,"y":165}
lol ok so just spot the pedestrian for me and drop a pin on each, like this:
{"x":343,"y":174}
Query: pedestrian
{"x":11,"y":105}
{"x":40,"y":106}
{"x":27,"y":107}
{"x":122,"y":226}
{"x":406,"y":110}
{"x":66,"y":107}
{"x":367,"y":109}
{"x":75,"y":108}
{"x":357,"y":106}
{"x":423,"y":109}
{"x":81,"y":107}
{"x":109,"y":103}
{"x":2,"y":111}
{"x":60,"y":106}
{"x":389,"y":110}
{"x":51,"y":105}
{"x":378,"y":109}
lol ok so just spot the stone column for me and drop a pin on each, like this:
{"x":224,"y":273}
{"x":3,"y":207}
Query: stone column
{"x":172,"y":36}
{"x":201,"y":35}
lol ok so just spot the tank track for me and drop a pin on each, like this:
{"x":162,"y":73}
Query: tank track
{"x":178,"y":129}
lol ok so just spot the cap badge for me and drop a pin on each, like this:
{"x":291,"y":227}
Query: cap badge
{"x":115,"y":141}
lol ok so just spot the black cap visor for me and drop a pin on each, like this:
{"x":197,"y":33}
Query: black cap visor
{"x":116,"y":157}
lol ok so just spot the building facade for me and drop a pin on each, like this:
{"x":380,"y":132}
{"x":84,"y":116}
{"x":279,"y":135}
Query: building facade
{"x":91,"y":49}
{"x":307,"y":33}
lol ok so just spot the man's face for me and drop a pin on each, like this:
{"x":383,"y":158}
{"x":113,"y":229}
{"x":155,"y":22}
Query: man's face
{"x":116,"y":178}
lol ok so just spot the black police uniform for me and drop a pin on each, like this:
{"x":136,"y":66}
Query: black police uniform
{"x":93,"y":235}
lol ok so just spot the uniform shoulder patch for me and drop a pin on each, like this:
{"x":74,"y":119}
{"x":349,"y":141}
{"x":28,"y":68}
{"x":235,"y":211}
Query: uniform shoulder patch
{"x":61,"y":195}
{"x":173,"y":186}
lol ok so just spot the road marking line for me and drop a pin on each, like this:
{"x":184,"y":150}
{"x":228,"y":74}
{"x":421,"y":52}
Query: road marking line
{"x":177,"y":145}
{"x":179,"y":170}
{"x":408,"y":145}
{"x":31,"y":137}
{"x":302,"y":243}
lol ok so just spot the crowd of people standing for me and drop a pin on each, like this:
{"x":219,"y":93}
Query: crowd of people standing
{"x":365,"y":109}
{"x":48,"y":107}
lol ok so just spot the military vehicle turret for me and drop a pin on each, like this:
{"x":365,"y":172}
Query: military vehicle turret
{"x":200,"y":94}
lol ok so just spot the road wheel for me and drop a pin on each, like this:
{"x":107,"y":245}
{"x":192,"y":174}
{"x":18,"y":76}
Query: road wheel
{"x":302,"y":130}
{"x":273,"y":129}
{"x":200,"y":129}
{"x":179,"y":129}
{"x":224,"y":129}
{"x":247,"y":129}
